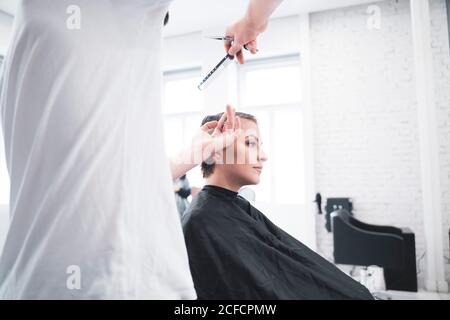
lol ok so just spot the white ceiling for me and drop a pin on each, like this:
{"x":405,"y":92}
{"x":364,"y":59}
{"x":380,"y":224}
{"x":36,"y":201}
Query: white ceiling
{"x":193,"y":15}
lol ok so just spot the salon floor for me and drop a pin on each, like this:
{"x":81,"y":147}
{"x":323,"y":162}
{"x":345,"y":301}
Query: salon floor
{"x":373,"y":279}
{"x":402,"y":295}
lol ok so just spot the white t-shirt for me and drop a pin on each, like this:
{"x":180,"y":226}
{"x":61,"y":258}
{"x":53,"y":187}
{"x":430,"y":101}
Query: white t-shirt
{"x":92,"y":207}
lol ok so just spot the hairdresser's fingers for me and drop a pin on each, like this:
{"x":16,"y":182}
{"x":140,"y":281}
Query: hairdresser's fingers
{"x":252,"y":46}
{"x":229,"y":124}
{"x":236,"y":46}
{"x":227,"y":44}
{"x":233,"y":119}
{"x":220,"y":124}
{"x":236,"y":134}
{"x":210,"y":125}
{"x":240,"y":57}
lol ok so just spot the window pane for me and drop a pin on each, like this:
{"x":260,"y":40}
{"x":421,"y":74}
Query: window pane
{"x":173,"y":134}
{"x":272,"y":86}
{"x":179,"y":131}
{"x":192,"y":126}
{"x":288,"y":157}
{"x":182,"y":95}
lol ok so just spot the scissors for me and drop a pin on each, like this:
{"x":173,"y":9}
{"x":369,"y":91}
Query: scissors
{"x":220,"y":66}
{"x":224,"y":38}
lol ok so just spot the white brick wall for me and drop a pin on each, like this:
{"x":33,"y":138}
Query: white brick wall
{"x":366,"y":126}
{"x":441,"y":56}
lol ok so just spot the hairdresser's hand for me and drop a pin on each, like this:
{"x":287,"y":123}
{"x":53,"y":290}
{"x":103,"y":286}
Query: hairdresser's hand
{"x":207,"y":145}
{"x":245,"y":35}
{"x":246,"y":31}
{"x":216,"y":136}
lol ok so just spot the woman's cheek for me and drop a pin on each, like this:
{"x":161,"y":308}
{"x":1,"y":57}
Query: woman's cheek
{"x":241,"y":154}
{"x":252,"y":158}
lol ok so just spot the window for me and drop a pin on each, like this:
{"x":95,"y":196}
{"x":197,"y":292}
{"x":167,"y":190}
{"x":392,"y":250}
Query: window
{"x":173,"y":133}
{"x":270,"y":89}
{"x":288,"y":164}
{"x":180,"y":91}
{"x":183,"y":106}
{"x":271,"y":81}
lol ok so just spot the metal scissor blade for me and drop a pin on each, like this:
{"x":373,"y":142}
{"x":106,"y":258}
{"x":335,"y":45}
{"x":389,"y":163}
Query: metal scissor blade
{"x":226,"y":38}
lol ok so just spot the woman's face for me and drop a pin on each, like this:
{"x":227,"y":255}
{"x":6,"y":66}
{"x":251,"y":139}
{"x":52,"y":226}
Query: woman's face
{"x":243,"y":164}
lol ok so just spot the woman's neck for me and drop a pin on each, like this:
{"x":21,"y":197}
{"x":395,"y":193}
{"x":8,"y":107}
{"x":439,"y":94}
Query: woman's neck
{"x":218,"y":180}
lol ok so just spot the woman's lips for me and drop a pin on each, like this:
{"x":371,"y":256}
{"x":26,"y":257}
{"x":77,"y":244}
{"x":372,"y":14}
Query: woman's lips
{"x":259,"y":169}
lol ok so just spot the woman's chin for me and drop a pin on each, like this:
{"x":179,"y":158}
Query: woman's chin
{"x":253,"y":181}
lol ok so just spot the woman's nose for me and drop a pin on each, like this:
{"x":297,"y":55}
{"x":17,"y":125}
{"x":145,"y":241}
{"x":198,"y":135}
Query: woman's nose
{"x":262,"y":156}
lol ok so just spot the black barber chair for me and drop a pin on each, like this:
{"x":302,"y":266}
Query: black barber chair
{"x":360,"y":244}
{"x":334,"y":204}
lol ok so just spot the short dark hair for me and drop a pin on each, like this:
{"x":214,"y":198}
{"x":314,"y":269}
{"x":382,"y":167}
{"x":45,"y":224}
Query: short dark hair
{"x":208,"y":167}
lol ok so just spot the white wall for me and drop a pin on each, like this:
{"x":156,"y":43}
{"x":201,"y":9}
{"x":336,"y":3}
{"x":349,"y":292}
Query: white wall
{"x":366,"y":125}
{"x":441,"y":55}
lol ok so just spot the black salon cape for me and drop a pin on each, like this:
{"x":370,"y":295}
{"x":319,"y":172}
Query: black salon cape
{"x":235,"y":252}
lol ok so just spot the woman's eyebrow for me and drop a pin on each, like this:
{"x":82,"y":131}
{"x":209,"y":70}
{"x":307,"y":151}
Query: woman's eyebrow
{"x":252,"y":136}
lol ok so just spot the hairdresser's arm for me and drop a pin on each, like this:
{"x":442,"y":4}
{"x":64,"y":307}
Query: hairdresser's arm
{"x":194,"y":155}
{"x":247,"y":29}
{"x":212,"y":138}
{"x":179,"y":167}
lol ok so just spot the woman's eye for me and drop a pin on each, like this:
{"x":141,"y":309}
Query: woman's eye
{"x":251,"y":144}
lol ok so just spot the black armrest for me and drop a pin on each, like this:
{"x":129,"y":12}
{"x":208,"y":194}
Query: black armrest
{"x":356,"y":246}
{"x":375,"y":228}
